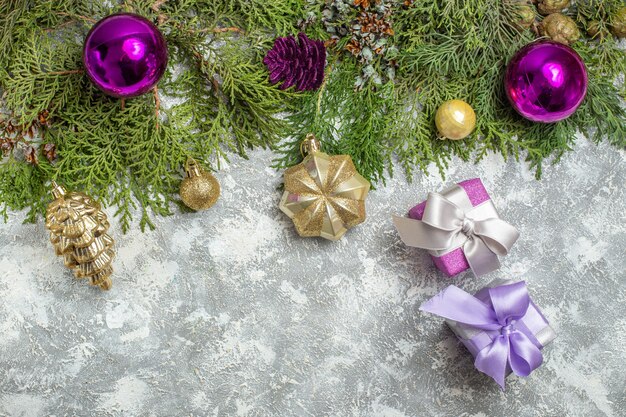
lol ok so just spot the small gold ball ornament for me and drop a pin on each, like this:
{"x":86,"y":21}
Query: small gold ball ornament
{"x":200,"y":189}
{"x":455,"y":119}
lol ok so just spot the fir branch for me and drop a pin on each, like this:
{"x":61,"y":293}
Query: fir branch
{"x":130,"y":153}
{"x":21,"y":186}
{"x":346,"y":121}
{"x":10,"y":14}
{"x":42,"y":76}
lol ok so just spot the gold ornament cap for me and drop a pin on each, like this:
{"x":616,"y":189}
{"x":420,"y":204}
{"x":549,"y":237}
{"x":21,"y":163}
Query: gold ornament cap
{"x":58,"y":191}
{"x":199,"y":190}
{"x":310,"y":145}
{"x":455,"y":119}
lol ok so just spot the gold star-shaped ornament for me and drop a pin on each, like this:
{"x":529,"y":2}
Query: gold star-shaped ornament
{"x":325,"y":195}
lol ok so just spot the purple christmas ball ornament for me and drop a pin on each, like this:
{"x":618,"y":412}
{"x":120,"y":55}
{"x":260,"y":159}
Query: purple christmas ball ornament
{"x":125,"y":55}
{"x":546,"y":81}
{"x":297,"y":63}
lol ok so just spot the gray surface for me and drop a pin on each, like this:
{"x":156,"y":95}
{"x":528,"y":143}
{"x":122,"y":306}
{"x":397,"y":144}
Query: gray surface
{"x":229,"y":313}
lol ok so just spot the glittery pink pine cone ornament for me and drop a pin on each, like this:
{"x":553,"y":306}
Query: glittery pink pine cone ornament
{"x":298,"y":63}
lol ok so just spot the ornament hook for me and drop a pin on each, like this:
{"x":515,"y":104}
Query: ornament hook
{"x":192,"y":168}
{"x":310,"y":145}
{"x":58,"y":191}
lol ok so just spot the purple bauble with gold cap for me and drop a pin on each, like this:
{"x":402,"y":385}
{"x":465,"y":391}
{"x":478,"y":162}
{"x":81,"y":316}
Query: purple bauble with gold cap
{"x":546,"y":81}
{"x":125,"y":55}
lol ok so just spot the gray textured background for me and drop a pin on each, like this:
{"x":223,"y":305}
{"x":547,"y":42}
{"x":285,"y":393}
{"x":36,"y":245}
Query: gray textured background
{"x":230,"y":313}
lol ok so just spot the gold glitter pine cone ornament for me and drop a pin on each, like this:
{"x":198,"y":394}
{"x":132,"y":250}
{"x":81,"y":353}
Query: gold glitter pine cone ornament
{"x":324,"y":195}
{"x":199,"y":190}
{"x":78,"y":230}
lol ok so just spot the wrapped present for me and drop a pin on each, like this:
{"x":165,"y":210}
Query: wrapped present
{"x":500,"y":325}
{"x":460,"y":228}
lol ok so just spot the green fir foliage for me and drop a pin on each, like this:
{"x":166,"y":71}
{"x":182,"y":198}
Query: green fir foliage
{"x":131,"y":154}
{"x":377,"y":103}
{"x":458,"y":49}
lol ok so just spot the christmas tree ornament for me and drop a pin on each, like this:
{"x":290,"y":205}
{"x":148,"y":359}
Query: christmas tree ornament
{"x":618,"y":23}
{"x":546,"y":81}
{"x":455,"y":119}
{"x":559,"y":28}
{"x":298,"y":64}
{"x":125,"y":55}
{"x":324,"y":195}
{"x":78,"y":230}
{"x":547,"y":7}
{"x":200,"y":189}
